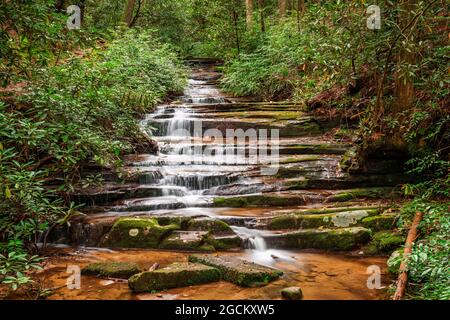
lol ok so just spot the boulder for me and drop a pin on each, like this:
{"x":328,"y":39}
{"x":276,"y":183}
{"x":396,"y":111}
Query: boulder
{"x":379,"y":223}
{"x":174,"y":276}
{"x":224,"y":242}
{"x":119,"y":270}
{"x":208,"y":224}
{"x":185,"y":241}
{"x":238,"y":271}
{"x":137,"y":233}
{"x":329,"y":239}
{"x":292,"y":293}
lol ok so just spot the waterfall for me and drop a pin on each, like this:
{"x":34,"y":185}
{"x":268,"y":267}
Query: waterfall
{"x":252,"y":237}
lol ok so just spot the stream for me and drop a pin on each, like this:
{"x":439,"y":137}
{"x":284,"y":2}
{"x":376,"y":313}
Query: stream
{"x":186,"y":177}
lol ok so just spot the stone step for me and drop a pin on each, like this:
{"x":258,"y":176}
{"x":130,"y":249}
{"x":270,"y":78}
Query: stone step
{"x":342,"y":239}
{"x":173,"y":276}
{"x":238,"y":271}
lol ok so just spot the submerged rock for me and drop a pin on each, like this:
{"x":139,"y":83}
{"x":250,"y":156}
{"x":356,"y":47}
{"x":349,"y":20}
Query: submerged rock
{"x":174,"y":276}
{"x":137,"y":233}
{"x":330,"y":239}
{"x":238,"y":271}
{"x":292,"y":293}
{"x":119,"y":270}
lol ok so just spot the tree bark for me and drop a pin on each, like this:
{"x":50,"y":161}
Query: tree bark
{"x":129,"y":9}
{"x":59,"y":6}
{"x":403,"y":272}
{"x":282,"y":7}
{"x":249,"y":12}
{"x":261,"y":5}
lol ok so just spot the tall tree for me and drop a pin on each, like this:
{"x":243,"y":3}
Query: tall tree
{"x":262,"y":5}
{"x":249,"y":10}
{"x":129,"y":10}
{"x":282,"y":7}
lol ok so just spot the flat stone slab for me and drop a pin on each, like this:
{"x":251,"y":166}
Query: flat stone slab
{"x":328,"y":239}
{"x":184,"y":241}
{"x":174,"y":276}
{"x":238,"y":271}
{"x":119,"y":270}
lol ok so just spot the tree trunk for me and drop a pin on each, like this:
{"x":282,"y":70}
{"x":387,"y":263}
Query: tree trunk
{"x":129,"y":9}
{"x":404,"y":89}
{"x":300,"y":12}
{"x":236,"y":29}
{"x":282,"y":7}
{"x":403,"y":272}
{"x":59,"y":5}
{"x":249,"y":11}
{"x":261,"y":9}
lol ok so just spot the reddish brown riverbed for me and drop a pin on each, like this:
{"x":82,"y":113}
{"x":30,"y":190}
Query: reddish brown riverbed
{"x":321,"y":276}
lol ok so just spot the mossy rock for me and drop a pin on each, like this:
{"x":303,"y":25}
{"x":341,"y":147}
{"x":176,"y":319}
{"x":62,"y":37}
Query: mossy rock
{"x":224,"y":242}
{"x":364,"y":193}
{"x":395,"y":260}
{"x":292,"y":293}
{"x":378,"y":223}
{"x":328,"y":239}
{"x":238,"y":271}
{"x":208,"y":224}
{"x":119,"y":270}
{"x":137,"y":233}
{"x":265,"y":200}
{"x":185,"y":241}
{"x":300,"y":160}
{"x":384,"y":242}
{"x":174,"y":276}
{"x":330,"y":220}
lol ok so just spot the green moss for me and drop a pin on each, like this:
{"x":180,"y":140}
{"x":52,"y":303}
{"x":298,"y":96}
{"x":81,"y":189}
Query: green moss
{"x":339,"y":239}
{"x":229,"y":242}
{"x":330,"y":220}
{"x":378,"y":223}
{"x":384,"y":242}
{"x":290,"y":172}
{"x":119,"y":270}
{"x":300,"y":160}
{"x":240,"y":272}
{"x":184,"y":241}
{"x":137,"y":233}
{"x":174,"y":276}
{"x":364,"y":193}
{"x":207,"y":224}
{"x":267,"y":200}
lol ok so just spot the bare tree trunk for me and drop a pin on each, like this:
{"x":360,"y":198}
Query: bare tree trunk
{"x":249,"y":9}
{"x":403,"y":272}
{"x":300,"y":12}
{"x":261,"y":9}
{"x":129,"y":9}
{"x":282,"y":7}
{"x":236,"y":29}
{"x":136,"y":16}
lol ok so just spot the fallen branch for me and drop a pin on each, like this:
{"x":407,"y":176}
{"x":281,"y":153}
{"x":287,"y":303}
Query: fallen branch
{"x":403,"y":272}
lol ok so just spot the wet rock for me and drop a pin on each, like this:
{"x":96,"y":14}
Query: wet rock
{"x":305,"y":221}
{"x":265,"y":200}
{"x":384,"y":242}
{"x":224,"y":242}
{"x":174,"y":276}
{"x":381,"y":222}
{"x":395,"y":260}
{"x":330,"y":239}
{"x":311,"y":149}
{"x":292,"y":293}
{"x":137,"y":233}
{"x":237,"y":271}
{"x":364,"y":193}
{"x":119,"y":270}
{"x":186,"y":241}
{"x":208,"y":224}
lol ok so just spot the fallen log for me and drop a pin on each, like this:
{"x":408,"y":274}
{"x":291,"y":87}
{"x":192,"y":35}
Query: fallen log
{"x":403,"y":272}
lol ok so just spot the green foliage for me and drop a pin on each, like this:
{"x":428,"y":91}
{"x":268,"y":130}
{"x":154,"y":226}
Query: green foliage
{"x":429,"y":263}
{"x":84,"y":110}
{"x":15,"y":265}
